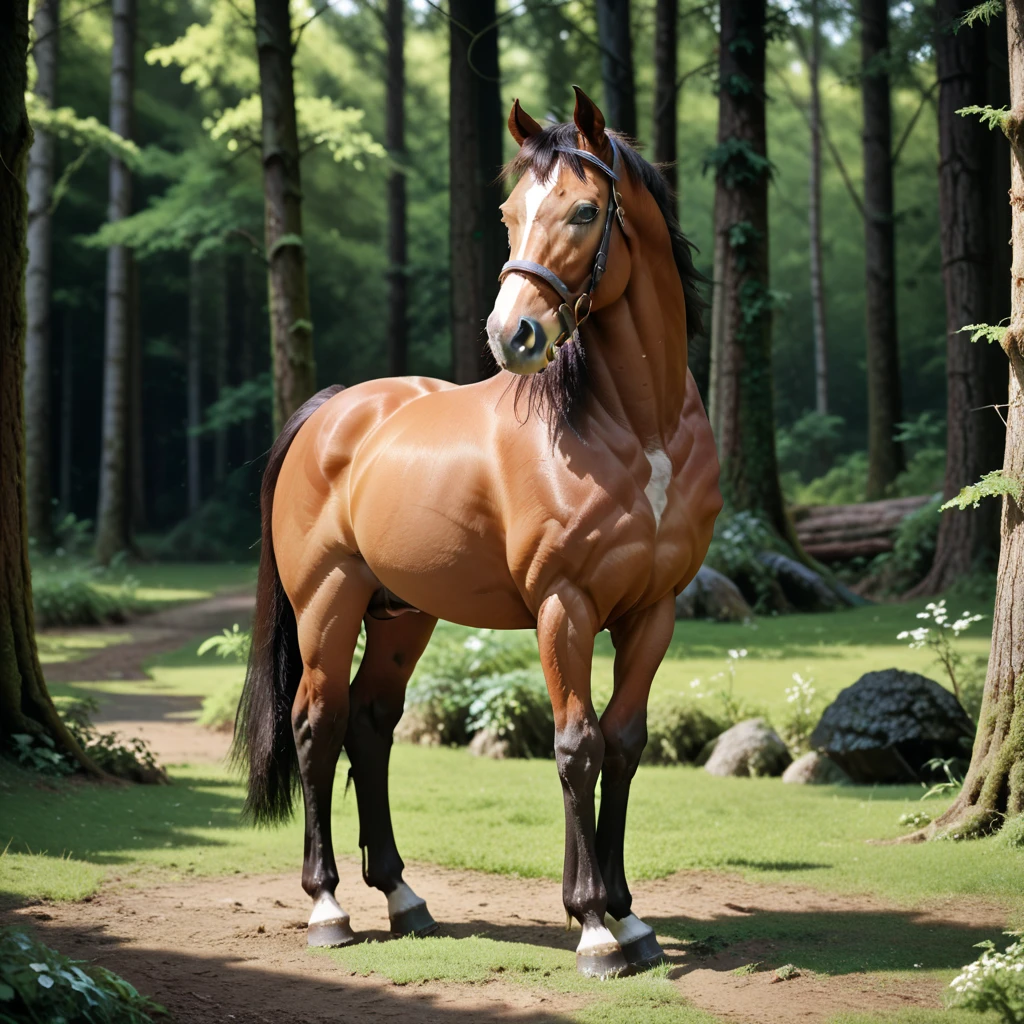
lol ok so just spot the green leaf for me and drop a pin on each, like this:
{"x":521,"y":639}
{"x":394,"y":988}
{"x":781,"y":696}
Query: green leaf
{"x":6,"y":992}
{"x":988,"y":332}
{"x":991,"y":485}
{"x":984,"y":12}
{"x":991,"y":117}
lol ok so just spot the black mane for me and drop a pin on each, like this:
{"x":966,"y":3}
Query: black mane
{"x":561,"y":390}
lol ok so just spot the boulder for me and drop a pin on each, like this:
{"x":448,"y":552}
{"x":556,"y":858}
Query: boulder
{"x":751,"y":748}
{"x":710,"y":595}
{"x":802,"y":587}
{"x":889,"y":724}
{"x":815,"y":769}
{"x":486,"y":743}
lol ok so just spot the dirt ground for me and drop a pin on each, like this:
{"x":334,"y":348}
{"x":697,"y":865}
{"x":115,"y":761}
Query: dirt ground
{"x":233,"y":949}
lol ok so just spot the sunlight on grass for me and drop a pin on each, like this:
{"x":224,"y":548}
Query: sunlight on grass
{"x":917,"y":1017}
{"x":41,"y":876}
{"x":56,"y":648}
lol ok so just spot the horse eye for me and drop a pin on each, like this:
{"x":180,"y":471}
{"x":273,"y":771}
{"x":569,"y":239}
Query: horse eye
{"x":584,"y":215}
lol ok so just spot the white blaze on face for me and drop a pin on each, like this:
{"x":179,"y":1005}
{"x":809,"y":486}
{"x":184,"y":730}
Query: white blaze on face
{"x":508,"y":296}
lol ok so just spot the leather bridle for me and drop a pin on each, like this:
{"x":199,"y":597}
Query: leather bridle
{"x":572,"y":315}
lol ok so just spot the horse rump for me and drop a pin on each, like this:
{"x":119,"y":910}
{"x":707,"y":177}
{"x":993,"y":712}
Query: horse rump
{"x":263,"y":745}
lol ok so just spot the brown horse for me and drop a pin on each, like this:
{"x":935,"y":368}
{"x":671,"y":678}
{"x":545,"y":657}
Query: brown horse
{"x":569,"y":501}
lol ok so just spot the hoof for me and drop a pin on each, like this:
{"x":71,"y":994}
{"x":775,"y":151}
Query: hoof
{"x":602,"y":962}
{"x":329,"y":934}
{"x":643,"y":952}
{"x":414,"y":921}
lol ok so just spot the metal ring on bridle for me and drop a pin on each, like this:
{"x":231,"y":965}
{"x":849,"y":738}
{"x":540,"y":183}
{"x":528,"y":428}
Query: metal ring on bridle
{"x":573,"y":314}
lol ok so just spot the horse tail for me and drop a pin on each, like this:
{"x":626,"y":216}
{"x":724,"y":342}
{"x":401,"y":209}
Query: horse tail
{"x":263,"y":745}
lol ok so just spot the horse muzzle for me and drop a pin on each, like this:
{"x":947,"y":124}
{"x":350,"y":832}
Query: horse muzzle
{"x":527,"y":351}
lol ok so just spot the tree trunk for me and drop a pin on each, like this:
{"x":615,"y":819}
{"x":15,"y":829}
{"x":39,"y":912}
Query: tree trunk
{"x":220,"y":368}
{"x":744,"y":407}
{"x":248,"y":342}
{"x":39,"y":283}
{"x":968,"y":240}
{"x":193,"y":385}
{"x":25,"y":704}
{"x":885,"y":405}
{"x":666,"y":66}
{"x":67,"y":410}
{"x":394,"y":131}
{"x":613,"y":31}
{"x":112,"y":517}
{"x":716,"y":346}
{"x":814,"y":217}
{"x":994,"y":788}
{"x":134,"y":436}
{"x":291,"y":326}
{"x":476,"y":127}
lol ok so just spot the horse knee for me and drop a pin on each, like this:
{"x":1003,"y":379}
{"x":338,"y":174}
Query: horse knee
{"x":579,"y":753}
{"x":624,"y":743}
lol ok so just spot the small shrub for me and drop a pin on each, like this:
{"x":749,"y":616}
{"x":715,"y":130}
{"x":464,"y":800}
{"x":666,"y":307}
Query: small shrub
{"x":804,"y":707}
{"x":515,"y":707}
{"x":39,"y":754}
{"x":67,"y":595}
{"x":39,"y":984}
{"x":915,"y":819}
{"x":844,"y":484}
{"x":739,"y":539}
{"x":805,"y":447}
{"x":232,"y":643}
{"x":1012,"y":833}
{"x":995,"y":981}
{"x":678,"y":729}
{"x":218,"y":709}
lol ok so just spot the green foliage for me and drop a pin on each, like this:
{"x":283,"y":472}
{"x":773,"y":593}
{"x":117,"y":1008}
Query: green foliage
{"x":991,"y":117}
{"x":804,"y":708}
{"x":992,"y":485}
{"x":84,"y":132}
{"x":736,"y":164}
{"x":39,"y":754}
{"x":70,"y":594}
{"x":515,"y":707}
{"x":983,"y":12}
{"x":993,"y":982}
{"x":738,"y":540}
{"x":39,"y":984}
{"x":678,"y":729}
{"x":987,"y":332}
{"x":236,"y":405}
{"x":229,"y":643}
{"x":806,"y":446}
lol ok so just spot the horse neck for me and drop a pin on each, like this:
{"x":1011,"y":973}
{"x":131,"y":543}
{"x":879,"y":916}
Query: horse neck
{"x":636,"y":353}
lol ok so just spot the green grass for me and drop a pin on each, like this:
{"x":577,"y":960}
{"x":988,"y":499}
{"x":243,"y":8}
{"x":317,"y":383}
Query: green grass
{"x":917,"y":1017}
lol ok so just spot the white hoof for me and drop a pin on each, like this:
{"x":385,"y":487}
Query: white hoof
{"x":629,"y":929}
{"x":328,"y":923}
{"x":402,"y":899}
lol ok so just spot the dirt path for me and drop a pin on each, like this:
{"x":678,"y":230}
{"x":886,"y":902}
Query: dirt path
{"x":234,"y":948}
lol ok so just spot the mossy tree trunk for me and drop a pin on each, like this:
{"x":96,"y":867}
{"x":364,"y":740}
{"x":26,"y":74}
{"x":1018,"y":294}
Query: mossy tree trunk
{"x":994,"y":788}
{"x":25,"y":705}
{"x":398,"y":257}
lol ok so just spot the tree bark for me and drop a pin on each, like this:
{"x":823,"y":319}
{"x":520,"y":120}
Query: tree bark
{"x":112,"y":518}
{"x":885,"y":404}
{"x":67,"y":410}
{"x":39,"y":287}
{"x":193,"y":385}
{"x":220,"y":367}
{"x":394,"y":131}
{"x":134,"y":439}
{"x":969,"y":236}
{"x":476,"y":127}
{"x":291,"y":326}
{"x":666,"y":68}
{"x":25,"y":704}
{"x":814,"y":217}
{"x":613,"y":31}
{"x":716,"y":342}
{"x":993,"y":791}
{"x":744,"y":407}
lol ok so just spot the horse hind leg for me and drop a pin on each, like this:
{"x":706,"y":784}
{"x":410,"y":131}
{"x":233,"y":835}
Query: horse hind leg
{"x":377,"y":698}
{"x":328,"y":628}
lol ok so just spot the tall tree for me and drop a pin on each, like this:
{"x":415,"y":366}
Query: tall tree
{"x":744,"y":404}
{"x":113,"y":517}
{"x":46,"y":23}
{"x":814,"y":214}
{"x":394,"y":131}
{"x":476,"y":131}
{"x":291,"y":326}
{"x":666,"y":65}
{"x":885,"y":404}
{"x":993,"y":791}
{"x":25,"y":704}
{"x":193,"y":385}
{"x":613,"y":32}
{"x":221,"y":290}
{"x":973,"y":243}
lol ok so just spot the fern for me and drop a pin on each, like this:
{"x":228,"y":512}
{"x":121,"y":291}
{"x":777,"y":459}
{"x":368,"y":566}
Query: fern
{"x":991,"y":485}
{"x":991,"y":117}
{"x":984,"y":12}
{"x":985,"y":332}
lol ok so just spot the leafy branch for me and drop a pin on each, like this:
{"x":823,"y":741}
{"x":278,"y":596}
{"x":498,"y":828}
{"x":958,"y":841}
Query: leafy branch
{"x":992,"y":485}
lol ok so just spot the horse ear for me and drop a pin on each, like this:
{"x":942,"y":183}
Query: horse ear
{"x":589,"y":119}
{"x":521,"y":125}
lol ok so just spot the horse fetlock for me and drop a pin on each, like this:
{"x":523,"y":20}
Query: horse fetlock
{"x":328,"y":923}
{"x":408,"y":912}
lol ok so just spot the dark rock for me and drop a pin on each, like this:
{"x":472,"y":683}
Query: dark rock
{"x":803,"y":588}
{"x":887,"y":725}
{"x":710,"y":595}
{"x":751,"y":748}
{"x":815,"y":769}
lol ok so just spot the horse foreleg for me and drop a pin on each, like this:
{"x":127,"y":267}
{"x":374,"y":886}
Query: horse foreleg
{"x":393,"y":646}
{"x":566,"y":627}
{"x":641,"y":641}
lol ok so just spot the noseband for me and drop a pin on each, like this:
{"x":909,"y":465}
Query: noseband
{"x":572,"y":315}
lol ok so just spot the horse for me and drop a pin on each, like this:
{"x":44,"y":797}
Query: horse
{"x":574,"y":491}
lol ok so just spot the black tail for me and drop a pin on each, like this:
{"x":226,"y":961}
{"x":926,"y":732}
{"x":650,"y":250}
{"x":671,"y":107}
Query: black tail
{"x":263,"y":741}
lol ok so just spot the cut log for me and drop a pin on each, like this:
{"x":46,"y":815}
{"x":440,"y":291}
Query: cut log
{"x":837,"y":533}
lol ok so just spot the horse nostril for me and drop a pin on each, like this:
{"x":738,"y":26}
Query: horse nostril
{"x":523,"y":340}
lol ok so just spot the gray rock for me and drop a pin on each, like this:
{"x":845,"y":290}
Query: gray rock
{"x":489,"y":744}
{"x":751,"y":748}
{"x":803,"y":588}
{"x":815,"y":769}
{"x":887,"y":725}
{"x":710,"y":595}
